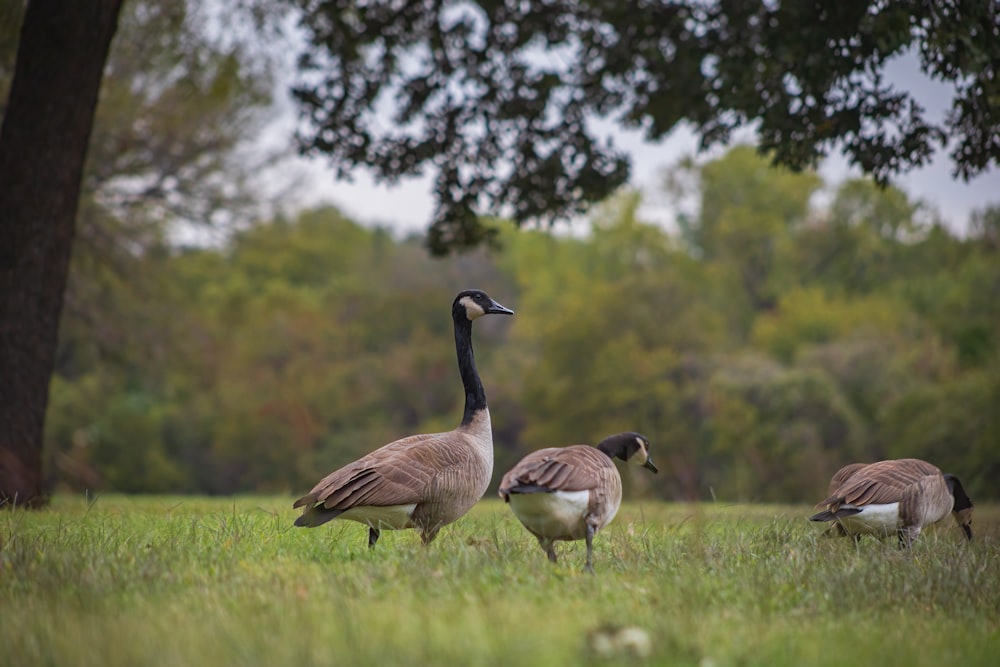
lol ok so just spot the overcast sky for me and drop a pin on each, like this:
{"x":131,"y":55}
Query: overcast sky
{"x":407,"y":206}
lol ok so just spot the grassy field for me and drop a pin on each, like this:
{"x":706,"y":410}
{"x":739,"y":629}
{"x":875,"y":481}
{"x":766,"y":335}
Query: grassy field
{"x":128,"y":581}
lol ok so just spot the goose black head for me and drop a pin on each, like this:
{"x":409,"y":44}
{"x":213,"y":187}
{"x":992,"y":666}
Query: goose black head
{"x":473,"y":303}
{"x":632,"y":447}
{"x":962,"y":509}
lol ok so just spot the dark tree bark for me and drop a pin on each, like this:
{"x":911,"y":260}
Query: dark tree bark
{"x":43,"y":146}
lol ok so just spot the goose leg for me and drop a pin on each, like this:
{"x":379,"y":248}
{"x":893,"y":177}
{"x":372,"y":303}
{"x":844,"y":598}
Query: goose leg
{"x":549,"y":546}
{"x":373,"y":535}
{"x":589,"y":567}
{"x":907,"y":536}
{"x":427,"y":535}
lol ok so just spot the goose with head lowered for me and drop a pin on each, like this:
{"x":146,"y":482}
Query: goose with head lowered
{"x":422,"y":481}
{"x":894,"y":497}
{"x":570,"y":493}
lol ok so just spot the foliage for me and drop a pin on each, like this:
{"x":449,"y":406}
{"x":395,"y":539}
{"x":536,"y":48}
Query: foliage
{"x":746,"y":209}
{"x":187,"y":581}
{"x":178,"y":102}
{"x":168,"y":155}
{"x":809,"y":315}
{"x":501,"y":97}
{"x":305,"y":342}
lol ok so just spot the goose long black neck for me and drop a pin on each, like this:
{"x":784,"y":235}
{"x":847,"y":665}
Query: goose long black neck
{"x":613,"y":447}
{"x":962,"y":499}
{"x":475,"y":395}
{"x":620,"y":445}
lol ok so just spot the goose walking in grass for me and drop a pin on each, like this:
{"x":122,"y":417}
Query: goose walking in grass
{"x":570,"y":493}
{"x":896,"y":497}
{"x":423,"y":481}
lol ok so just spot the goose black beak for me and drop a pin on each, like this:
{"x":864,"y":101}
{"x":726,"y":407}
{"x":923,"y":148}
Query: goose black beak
{"x":650,"y":465}
{"x":496,"y":309}
{"x":968,"y":531}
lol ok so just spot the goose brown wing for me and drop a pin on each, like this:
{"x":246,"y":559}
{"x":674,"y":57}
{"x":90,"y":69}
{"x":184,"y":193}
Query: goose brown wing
{"x":843,"y":475}
{"x":911,"y":469}
{"x":396,"y":474}
{"x":574,"y":468}
{"x":881,"y":482}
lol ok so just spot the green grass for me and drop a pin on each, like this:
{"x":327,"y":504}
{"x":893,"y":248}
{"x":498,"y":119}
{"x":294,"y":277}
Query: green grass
{"x":192,"y":581}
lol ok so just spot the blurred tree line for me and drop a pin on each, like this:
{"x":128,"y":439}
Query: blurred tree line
{"x":760,"y":345}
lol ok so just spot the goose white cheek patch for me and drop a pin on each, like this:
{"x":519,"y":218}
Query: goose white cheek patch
{"x":642,"y":455}
{"x":472,"y":309}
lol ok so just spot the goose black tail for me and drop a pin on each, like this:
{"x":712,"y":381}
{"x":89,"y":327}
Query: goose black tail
{"x":316,"y":516}
{"x":827,"y":515}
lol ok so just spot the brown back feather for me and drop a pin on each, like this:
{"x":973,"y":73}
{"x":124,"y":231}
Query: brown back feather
{"x":573,"y":468}
{"x":881,"y":482}
{"x":842,"y":476}
{"x":397,"y":474}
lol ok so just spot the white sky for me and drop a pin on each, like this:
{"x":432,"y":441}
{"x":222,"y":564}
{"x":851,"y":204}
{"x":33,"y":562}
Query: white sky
{"x":407,"y":206}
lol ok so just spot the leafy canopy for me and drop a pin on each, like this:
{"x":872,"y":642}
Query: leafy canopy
{"x":500,"y":96}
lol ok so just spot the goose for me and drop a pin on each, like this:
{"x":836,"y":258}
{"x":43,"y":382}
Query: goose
{"x":421,"y":481}
{"x":898,"y":496}
{"x":570,"y":493}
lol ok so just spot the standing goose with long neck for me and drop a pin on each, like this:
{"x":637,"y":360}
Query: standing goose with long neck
{"x":422,"y":481}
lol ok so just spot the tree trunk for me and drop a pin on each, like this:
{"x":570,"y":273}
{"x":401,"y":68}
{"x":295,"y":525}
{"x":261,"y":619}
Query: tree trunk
{"x":43,"y":146}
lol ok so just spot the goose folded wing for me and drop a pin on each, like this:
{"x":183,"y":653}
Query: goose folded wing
{"x":557,"y":468}
{"x":878,"y":483}
{"x":864,"y":491}
{"x":397,"y":474}
{"x":900,"y":473}
{"x":842,"y":475}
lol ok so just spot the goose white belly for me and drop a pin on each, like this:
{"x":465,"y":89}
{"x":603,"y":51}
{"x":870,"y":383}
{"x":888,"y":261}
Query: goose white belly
{"x":391,"y":517}
{"x":874,"y":520}
{"x":557,"y":514}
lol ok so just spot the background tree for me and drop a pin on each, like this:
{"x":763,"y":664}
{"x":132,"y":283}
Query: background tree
{"x":301,"y":340}
{"x":501,"y":97}
{"x":745,"y":210}
{"x":176,"y":105}
{"x":43,"y":145}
